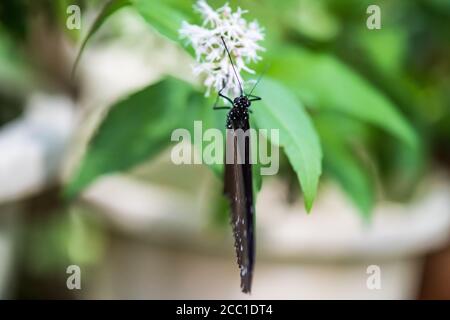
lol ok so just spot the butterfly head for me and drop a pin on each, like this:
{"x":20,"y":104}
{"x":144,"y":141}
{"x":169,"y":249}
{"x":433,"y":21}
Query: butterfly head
{"x":242,"y":102}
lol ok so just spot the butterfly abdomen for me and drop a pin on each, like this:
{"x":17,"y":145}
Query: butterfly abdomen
{"x":239,"y":190}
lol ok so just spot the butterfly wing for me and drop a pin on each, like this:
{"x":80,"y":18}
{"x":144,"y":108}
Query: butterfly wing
{"x":239,"y":190}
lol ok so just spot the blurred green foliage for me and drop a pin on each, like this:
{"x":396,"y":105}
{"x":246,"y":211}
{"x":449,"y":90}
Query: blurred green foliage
{"x":136,"y":126}
{"x":376,"y":101}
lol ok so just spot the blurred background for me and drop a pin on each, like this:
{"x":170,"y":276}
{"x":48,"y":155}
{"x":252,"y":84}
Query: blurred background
{"x":140,"y":227}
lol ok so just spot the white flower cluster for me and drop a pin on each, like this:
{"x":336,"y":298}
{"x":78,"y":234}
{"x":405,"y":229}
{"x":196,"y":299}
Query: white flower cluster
{"x":240,"y":36}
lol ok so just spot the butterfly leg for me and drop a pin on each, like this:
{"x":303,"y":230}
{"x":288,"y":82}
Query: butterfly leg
{"x":254,"y":98}
{"x":223,"y":96}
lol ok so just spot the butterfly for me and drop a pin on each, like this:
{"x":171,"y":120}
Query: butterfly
{"x":238,"y":182}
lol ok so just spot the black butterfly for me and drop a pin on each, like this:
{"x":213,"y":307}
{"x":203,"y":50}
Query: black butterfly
{"x":238,"y":178}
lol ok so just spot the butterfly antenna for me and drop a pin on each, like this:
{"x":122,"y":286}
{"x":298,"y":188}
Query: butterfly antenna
{"x":232,"y":65}
{"x":259,"y":78}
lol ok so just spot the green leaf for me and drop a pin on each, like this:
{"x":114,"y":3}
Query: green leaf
{"x":201,"y":109}
{"x":403,"y":168}
{"x":134,"y":130}
{"x":312,"y":19}
{"x":386,"y":48}
{"x":352,"y":177}
{"x":280,"y":109}
{"x":109,"y":9}
{"x":342,"y":164}
{"x":161,"y":16}
{"x":323,"y":81}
